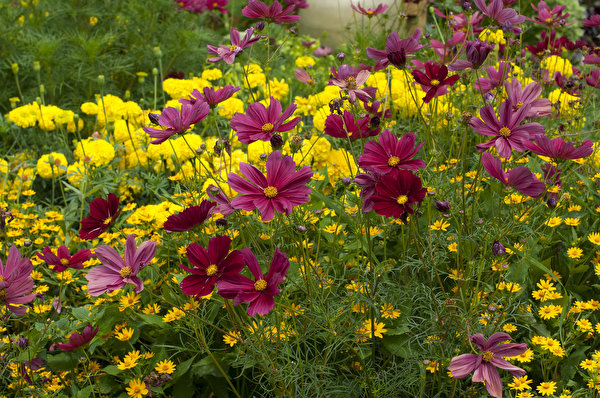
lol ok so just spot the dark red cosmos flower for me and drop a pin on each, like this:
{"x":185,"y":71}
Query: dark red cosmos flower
{"x":260,"y":291}
{"x":199,"y":6}
{"x":593,"y":20}
{"x":103,"y":214}
{"x":177,"y":121}
{"x":337,"y":127}
{"x":350,"y":79}
{"x":260,"y":122}
{"x":396,"y":50}
{"x":593,"y":58}
{"x":391,"y":152}
{"x":210,"y":265}
{"x":189,"y":218}
{"x":380,"y":9}
{"x":228,"y":53}
{"x":281,"y":190}
{"x":434,"y":80}
{"x":273,"y":13}
{"x":559,"y":149}
{"x":519,"y":178}
{"x":593,"y":78}
{"x":497,"y":12}
{"x":297,"y":3}
{"x":78,"y":339}
{"x":396,"y":192}
{"x":63,"y":260}
{"x":210,"y":96}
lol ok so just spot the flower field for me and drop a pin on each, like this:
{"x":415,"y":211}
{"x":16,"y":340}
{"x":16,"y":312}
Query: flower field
{"x":197,"y":200}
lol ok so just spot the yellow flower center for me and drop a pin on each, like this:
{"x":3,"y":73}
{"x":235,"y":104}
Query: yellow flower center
{"x":488,"y":356}
{"x":233,"y":48}
{"x":270,"y":192}
{"x":267,"y":128}
{"x":108,"y":221}
{"x":1,"y":278}
{"x":211,"y":270}
{"x":125,"y":272}
{"x":505,"y":132}
{"x":351,"y":82}
{"x":370,"y":12}
{"x":260,"y":285}
{"x":519,"y":104}
{"x":548,"y":20}
{"x":64,"y":261}
{"x":402,"y":199}
{"x":393,"y":161}
{"x":435,"y":82}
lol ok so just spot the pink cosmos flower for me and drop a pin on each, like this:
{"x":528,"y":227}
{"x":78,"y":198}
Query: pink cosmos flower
{"x":559,"y":149}
{"x":497,"y":12}
{"x":496,"y":77}
{"x":281,"y":190}
{"x":367,"y":181}
{"x":114,"y":273}
{"x":519,"y":97}
{"x":16,"y":282}
{"x":549,"y":17}
{"x":176,"y":121}
{"x":260,"y":123}
{"x":434,"y":80}
{"x":396,"y":192}
{"x":449,"y":48}
{"x":260,"y":291}
{"x":228,"y":53}
{"x":485,"y":365}
{"x":210,"y":96}
{"x":216,"y":194}
{"x":273,"y":13}
{"x":189,"y":218}
{"x":79,"y":339}
{"x":63,"y":260}
{"x":461,"y":21}
{"x":210,"y":265}
{"x":370,"y":12}
{"x":507,"y":133}
{"x":336,"y":126}
{"x":391,"y":152}
{"x":350,"y":79}
{"x":396,"y":50}
{"x":593,"y":78}
{"x":103,"y":214}
{"x":519,"y":178}
{"x":593,"y":20}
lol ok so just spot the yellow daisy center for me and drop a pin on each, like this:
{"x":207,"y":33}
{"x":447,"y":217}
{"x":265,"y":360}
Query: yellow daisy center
{"x":1,"y":278}
{"x":505,"y":132}
{"x":488,"y":356}
{"x":393,"y":161}
{"x":233,"y":47}
{"x":370,"y":12}
{"x":267,"y":128}
{"x":435,"y":82}
{"x":260,"y":285}
{"x":402,"y":199}
{"x":519,"y":104}
{"x":270,"y":192}
{"x":211,"y":270}
{"x":108,"y":220}
{"x":351,"y":82}
{"x":125,"y":272}
{"x":64,"y":261}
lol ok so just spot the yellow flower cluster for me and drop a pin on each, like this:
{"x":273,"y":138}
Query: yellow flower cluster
{"x":52,"y":165}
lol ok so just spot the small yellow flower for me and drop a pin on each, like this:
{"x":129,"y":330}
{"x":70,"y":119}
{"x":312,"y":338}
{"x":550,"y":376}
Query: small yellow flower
{"x":129,"y":300}
{"x":509,"y":328}
{"x":137,"y":388}
{"x":439,"y":225}
{"x":574,"y":252}
{"x":124,"y":334}
{"x":550,"y":311}
{"x":554,"y":222}
{"x":231,"y":338}
{"x":546,"y":388}
{"x":388,"y":311}
{"x":520,"y":383}
{"x":572,"y":221}
{"x":594,"y":237}
{"x":165,"y":366}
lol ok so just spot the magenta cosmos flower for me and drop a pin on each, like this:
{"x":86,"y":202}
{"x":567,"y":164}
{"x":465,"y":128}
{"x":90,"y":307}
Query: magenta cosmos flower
{"x":281,"y":190}
{"x":16,"y":283}
{"x":496,"y":77}
{"x":103,"y":214}
{"x":336,"y":126}
{"x":228,"y":53}
{"x":210,"y":96}
{"x":485,"y":366}
{"x":114,"y":273}
{"x":216,"y":194}
{"x":260,"y":122}
{"x":63,"y":259}
{"x":260,"y":291}
{"x":189,"y":218}
{"x":350,"y":79}
{"x":549,"y":17}
{"x":434,"y":80}
{"x":496,"y":11}
{"x":529,"y":96}
{"x":593,"y":20}
{"x":79,"y":339}
{"x":593,"y":78}
{"x":370,"y":12}
{"x":519,"y":178}
{"x":391,"y":152}
{"x":273,"y":13}
{"x":559,"y":149}
{"x":367,"y":181}
{"x":396,"y":192}
{"x":175,"y":121}
{"x":210,"y":265}
{"x":507,"y":133}
{"x":396,"y":50}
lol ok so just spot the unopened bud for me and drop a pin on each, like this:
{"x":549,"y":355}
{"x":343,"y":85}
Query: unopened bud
{"x":498,"y":249}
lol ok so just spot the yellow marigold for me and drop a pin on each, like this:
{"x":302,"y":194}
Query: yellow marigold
{"x":305,"y":62}
{"x":212,"y":74}
{"x":554,"y":64}
{"x":97,"y":152}
{"x":52,"y":165}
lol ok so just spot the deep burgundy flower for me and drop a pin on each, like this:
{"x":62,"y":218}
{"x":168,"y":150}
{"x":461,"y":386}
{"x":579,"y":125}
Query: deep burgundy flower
{"x":210,"y":96}
{"x":16,"y":282}
{"x":593,"y":58}
{"x":260,"y":122}
{"x":216,"y":194}
{"x":593,"y":78}
{"x":485,"y":365}
{"x":228,"y":53}
{"x":177,"y":121}
{"x":103,"y":214}
{"x":367,"y":181}
{"x":79,"y":339}
{"x":496,"y":77}
{"x":507,"y":133}
{"x":396,"y":192}
{"x":559,"y":149}
{"x":477,"y":52}
{"x":434,"y":80}
{"x":519,"y":178}
{"x":350,"y":79}
{"x":218,"y":5}
{"x":370,"y":12}
{"x":114,"y":273}
{"x":497,"y":12}
{"x":273,"y":13}
{"x":189,"y":218}
{"x":63,"y":260}
{"x":261,"y":291}
{"x":336,"y":126}
{"x":396,"y":50}
{"x":210,"y":265}
{"x":391,"y":152}
{"x":281,"y":190}
{"x":519,"y":97}
{"x":593,"y":20}
{"x":549,"y":17}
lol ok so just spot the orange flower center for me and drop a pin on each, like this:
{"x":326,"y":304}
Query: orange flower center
{"x":260,"y":285}
{"x":270,"y":192}
{"x":402,"y":199}
{"x":435,"y":82}
{"x":488,"y":356}
{"x":125,"y":272}
{"x":64,"y":261}
{"x":211,"y":270}
{"x":393,"y":161}
{"x":108,"y":220}
{"x":267,"y":128}
{"x":505,"y":132}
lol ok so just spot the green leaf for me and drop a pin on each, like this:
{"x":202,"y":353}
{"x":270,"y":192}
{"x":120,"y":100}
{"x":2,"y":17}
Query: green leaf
{"x":152,"y":319}
{"x":82,"y":314}
{"x":62,"y":361}
{"x":112,"y":370}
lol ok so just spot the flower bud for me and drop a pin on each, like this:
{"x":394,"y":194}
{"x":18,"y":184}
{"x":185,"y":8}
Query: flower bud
{"x":443,"y":206}
{"x":221,"y":222}
{"x":498,"y":249}
{"x":15,"y":68}
{"x":153,"y":118}
{"x":259,"y":26}
{"x":301,"y":228}
{"x":36,"y":66}
{"x":296,"y":143}
{"x":276,"y":142}
{"x":340,"y":56}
